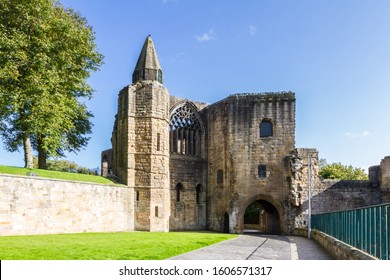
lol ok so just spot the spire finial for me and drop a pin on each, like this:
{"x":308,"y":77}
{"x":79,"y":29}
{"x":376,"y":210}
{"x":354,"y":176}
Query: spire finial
{"x":148,"y":66}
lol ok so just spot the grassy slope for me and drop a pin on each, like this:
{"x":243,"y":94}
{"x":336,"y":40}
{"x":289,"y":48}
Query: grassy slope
{"x":55,"y":174}
{"x":105,"y":246}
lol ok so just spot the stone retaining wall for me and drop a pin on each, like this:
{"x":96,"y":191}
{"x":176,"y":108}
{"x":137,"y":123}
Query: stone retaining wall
{"x":336,"y":248}
{"x":31,"y":205}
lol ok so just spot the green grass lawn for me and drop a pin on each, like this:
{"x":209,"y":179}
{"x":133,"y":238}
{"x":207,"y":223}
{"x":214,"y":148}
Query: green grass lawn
{"x":56,"y":174}
{"x":105,"y":246}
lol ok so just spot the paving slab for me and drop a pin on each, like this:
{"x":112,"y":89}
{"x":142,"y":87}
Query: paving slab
{"x":260,"y":247}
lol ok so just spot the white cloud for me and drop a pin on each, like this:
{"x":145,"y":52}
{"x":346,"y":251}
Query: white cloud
{"x":252,"y":30}
{"x":179,"y":57}
{"x":208,"y":36}
{"x":357,"y":134}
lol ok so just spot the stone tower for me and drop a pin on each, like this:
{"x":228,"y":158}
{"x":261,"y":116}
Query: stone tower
{"x":140,"y":142}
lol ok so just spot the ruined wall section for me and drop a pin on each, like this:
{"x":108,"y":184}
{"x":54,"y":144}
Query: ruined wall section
{"x":123,"y":137}
{"x":384,"y":179}
{"x":188,"y":208}
{"x":236,"y":150}
{"x":188,"y":212}
{"x":327,"y":195}
{"x":174,"y":100}
{"x":302,"y":161}
{"x":340,"y":195}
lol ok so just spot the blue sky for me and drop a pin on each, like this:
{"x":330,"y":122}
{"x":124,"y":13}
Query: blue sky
{"x":335,"y":55}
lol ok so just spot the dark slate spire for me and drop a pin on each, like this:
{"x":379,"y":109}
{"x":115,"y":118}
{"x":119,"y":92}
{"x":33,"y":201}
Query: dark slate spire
{"x":148,"y":67}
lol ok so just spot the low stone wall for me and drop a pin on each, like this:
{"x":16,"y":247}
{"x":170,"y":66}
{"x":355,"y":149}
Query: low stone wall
{"x":31,"y":205}
{"x":336,"y":248}
{"x":340,"y":195}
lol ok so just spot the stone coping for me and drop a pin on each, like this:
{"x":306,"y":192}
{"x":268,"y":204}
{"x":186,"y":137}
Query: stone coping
{"x":60,"y":180}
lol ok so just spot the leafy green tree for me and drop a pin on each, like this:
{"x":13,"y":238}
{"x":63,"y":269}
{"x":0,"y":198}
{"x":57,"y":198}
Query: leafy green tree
{"x":46,"y":55}
{"x":342,"y":172}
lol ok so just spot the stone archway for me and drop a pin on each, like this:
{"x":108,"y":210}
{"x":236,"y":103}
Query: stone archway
{"x":262,"y":216}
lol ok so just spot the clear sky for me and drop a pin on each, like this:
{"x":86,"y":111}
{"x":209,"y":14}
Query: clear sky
{"x":334,"y":54}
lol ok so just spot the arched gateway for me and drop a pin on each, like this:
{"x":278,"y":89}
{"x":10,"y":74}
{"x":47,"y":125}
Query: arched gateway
{"x":262,"y":216}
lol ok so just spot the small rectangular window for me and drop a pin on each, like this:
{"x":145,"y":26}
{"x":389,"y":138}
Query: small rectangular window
{"x":219,"y":177}
{"x":156,"y":211}
{"x":262,"y":171}
{"x":137,"y":196}
{"x":158,"y":141}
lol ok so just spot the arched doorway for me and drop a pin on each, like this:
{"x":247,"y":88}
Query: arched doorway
{"x":262,"y":216}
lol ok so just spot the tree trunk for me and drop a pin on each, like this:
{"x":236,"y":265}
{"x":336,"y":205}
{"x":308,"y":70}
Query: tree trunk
{"x":28,"y":155}
{"x":42,"y":156}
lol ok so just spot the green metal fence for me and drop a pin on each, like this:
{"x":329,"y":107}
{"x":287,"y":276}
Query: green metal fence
{"x":367,"y":229}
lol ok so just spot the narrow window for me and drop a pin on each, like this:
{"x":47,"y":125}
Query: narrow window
{"x":179,"y":188}
{"x":198,"y":193}
{"x":159,"y":76}
{"x":262,"y":171}
{"x":156,"y":211}
{"x":219,"y":176}
{"x":266,"y":129}
{"x":158,"y":141}
{"x":137,"y":196}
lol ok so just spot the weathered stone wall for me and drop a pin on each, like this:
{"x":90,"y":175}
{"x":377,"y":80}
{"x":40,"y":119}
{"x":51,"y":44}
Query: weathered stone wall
{"x":141,"y":151}
{"x":235,"y":150}
{"x":174,"y":101}
{"x":106,"y":163}
{"x":300,"y":161}
{"x":326,"y":195}
{"x":188,"y":213}
{"x":384,"y":179}
{"x":122,"y":136}
{"x":47,"y":206}
{"x":151,"y":155}
{"x":336,"y":248}
{"x":339,"y":195}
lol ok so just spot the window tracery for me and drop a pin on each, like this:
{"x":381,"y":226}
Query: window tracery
{"x":185,"y":131}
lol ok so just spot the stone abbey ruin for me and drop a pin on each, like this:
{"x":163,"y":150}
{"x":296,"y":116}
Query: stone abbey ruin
{"x":230,"y":166}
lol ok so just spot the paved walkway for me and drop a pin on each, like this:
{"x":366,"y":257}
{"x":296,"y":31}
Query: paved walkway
{"x":260,"y":247}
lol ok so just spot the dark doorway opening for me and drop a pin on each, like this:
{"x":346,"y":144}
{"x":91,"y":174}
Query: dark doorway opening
{"x":262,"y":216}
{"x":226,"y":223}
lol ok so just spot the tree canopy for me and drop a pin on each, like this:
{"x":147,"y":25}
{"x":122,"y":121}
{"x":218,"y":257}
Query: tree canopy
{"x":46,"y":55}
{"x":342,"y":172}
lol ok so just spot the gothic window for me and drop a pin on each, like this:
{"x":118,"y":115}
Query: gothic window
{"x":198,"y":193}
{"x":179,"y":189}
{"x":266,"y":129}
{"x":219,"y":177}
{"x":185,"y":131}
{"x":262,"y":171}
